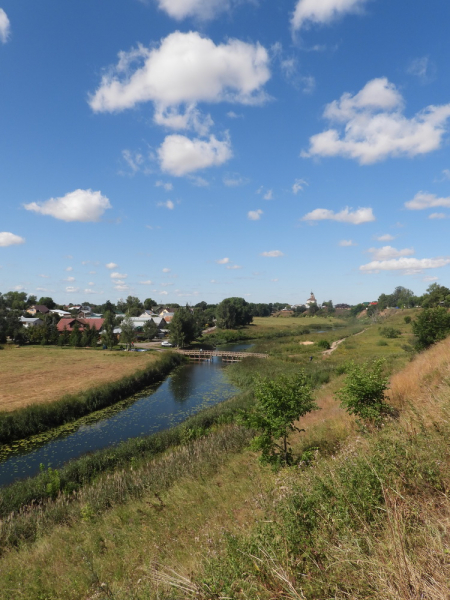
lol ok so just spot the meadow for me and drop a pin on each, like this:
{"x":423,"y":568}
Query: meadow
{"x":36,"y":374}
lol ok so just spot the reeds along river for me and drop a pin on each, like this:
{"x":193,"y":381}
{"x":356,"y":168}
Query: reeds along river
{"x":187,"y":390}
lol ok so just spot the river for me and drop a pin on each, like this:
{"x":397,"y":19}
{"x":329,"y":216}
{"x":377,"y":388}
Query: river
{"x":185,"y":391}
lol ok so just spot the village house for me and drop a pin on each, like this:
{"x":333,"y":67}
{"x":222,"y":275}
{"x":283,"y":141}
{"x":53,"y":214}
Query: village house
{"x":30,"y":322}
{"x":38,"y":308}
{"x":68,"y":324}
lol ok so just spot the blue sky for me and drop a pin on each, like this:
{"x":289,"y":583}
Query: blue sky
{"x":191,"y":150}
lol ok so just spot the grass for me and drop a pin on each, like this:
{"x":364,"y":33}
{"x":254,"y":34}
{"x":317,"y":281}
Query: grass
{"x":38,"y":375}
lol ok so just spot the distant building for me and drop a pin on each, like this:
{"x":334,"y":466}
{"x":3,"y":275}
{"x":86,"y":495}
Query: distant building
{"x":30,"y":322}
{"x":311,"y":300}
{"x":68,"y":323}
{"x":38,"y":308}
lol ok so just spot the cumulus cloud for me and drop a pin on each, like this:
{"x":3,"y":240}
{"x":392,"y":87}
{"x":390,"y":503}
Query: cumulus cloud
{"x":387,"y":252}
{"x":80,"y":205}
{"x":10,"y":239}
{"x":111,"y":265}
{"x":148,"y":282}
{"x":373,"y":126}
{"x":387,"y":237}
{"x":361,"y":215}
{"x":69,"y":269}
{"x":409,"y":265}
{"x":5,"y":26}
{"x":298,"y":186}
{"x":185,"y":69}
{"x":272,"y":254}
{"x":423,"y":68}
{"x":69,"y":279}
{"x":168,"y":204}
{"x":116,"y":275}
{"x":201,"y":9}
{"x":179,"y":155}
{"x":254,"y":215}
{"x":167,"y":186}
{"x":423,"y":200}
{"x":268,"y":195}
{"x":223,"y":261}
{"x":166,"y":270}
{"x":122,"y":287}
{"x":323,"y":12}
{"x":233,"y":267}
{"x":437,"y":216}
{"x":430,"y":279}
{"x":71,"y":290}
{"x":347,"y":243}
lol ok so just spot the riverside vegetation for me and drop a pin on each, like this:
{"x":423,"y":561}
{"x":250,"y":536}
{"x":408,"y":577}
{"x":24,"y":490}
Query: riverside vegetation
{"x":192,"y":512}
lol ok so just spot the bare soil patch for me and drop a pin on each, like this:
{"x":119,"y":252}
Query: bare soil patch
{"x":30,"y":375}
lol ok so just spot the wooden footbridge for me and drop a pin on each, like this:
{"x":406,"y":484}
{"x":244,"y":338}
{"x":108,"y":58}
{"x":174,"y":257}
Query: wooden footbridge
{"x":223,"y":354}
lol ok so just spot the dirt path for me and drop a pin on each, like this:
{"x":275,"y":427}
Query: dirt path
{"x":334,"y":345}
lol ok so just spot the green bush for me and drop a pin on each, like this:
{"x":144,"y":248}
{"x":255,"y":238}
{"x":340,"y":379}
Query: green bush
{"x":382,"y":343}
{"x":432,"y":325}
{"x":325,"y":344}
{"x":407,"y":319}
{"x":390,"y":332}
{"x":364,"y":392}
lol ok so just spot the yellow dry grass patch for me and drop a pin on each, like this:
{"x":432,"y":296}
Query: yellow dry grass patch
{"x":33,"y":375}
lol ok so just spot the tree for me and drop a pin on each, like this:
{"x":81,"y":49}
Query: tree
{"x":364,"y":392}
{"x":108,"y":335}
{"x":149,"y":303}
{"x":108,"y":306}
{"x":313,"y":309}
{"x":279,"y":403}
{"x":431,"y":325}
{"x":48,"y":302}
{"x":150,"y":329}
{"x":183,"y":328}
{"x":128,"y":334}
{"x":75,"y":336}
{"x":437,"y":295}
{"x":233,"y":312}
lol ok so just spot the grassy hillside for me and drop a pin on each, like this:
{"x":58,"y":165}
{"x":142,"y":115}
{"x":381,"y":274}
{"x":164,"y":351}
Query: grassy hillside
{"x":360,"y":516}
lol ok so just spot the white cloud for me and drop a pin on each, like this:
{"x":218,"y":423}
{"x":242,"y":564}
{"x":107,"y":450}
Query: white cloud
{"x":122,"y":287}
{"x":164,"y":293}
{"x":272,"y":254}
{"x":69,"y":279}
{"x":373,"y":126}
{"x":168,"y":204}
{"x":233,"y":267}
{"x":191,"y":118}
{"x":10,"y":239}
{"x":408,"y":265}
{"x":232,"y":115}
{"x":387,"y":252}
{"x":234,"y":180}
{"x":180,"y":155}
{"x":111,"y":265}
{"x":92,"y":272}
{"x":254,"y":215}
{"x":223,"y":261}
{"x":387,"y":237}
{"x":446,"y":173}
{"x":91,"y":283}
{"x":89,"y":291}
{"x":148,"y":282}
{"x":118,"y":275}
{"x":4,"y":26}
{"x":424,"y":200}
{"x":68,"y":269}
{"x":71,"y":290}
{"x":42,"y":289}
{"x":423,"y":68}
{"x":323,"y":11}
{"x":437,"y":216}
{"x":166,"y":270}
{"x":362,"y":215}
{"x":274,"y":280}
{"x":167,"y":186}
{"x":298,"y":186}
{"x":202,"y":9}
{"x":80,"y":205}
{"x":430,"y":279}
{"x":347,"y":243}
{"x":268,"y":195}
{"x":44,"y":276}
{"x":119,"y":282}
{"x":186,"y":68}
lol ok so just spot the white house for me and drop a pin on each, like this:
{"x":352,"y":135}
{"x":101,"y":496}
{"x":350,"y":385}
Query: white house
{"x":61,"y":313}
{"x":30,"y":322}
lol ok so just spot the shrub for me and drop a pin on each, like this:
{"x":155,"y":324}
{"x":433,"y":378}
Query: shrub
{"x":407,"y":319}
{"x":325,"y":344}
{"x":432,"y":325}
{"x":382,"y":343}
{"x":390,"y":332}
{"x":364,"y":392}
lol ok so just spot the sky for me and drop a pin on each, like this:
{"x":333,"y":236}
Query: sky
{"x":190,"y":150}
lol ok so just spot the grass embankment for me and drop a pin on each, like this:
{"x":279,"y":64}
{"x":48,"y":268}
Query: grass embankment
{"x":38,"y":375}
{"x":37,"y":418}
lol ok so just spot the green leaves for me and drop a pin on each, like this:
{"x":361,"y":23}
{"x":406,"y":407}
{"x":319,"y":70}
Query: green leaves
{"x":279,"y":403}
{"x":432,"y":325}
